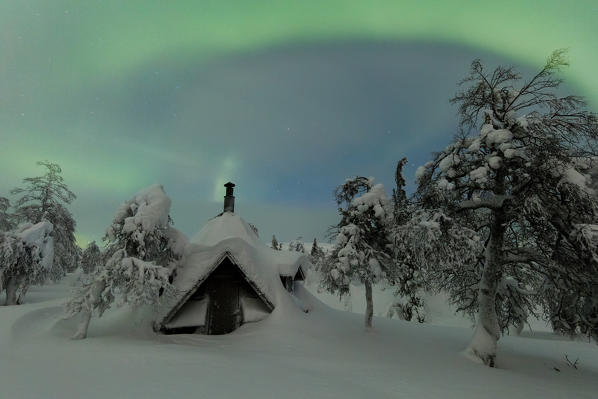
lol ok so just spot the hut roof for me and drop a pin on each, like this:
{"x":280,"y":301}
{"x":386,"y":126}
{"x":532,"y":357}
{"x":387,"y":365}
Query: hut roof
{"x":228,"y":235}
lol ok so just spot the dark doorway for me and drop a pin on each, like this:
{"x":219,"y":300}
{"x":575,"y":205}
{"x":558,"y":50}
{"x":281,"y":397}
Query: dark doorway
{"x":224,"y":310}
{"x":223,"y":302}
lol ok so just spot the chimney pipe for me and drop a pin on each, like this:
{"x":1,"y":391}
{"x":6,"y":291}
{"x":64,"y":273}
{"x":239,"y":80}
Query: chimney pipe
{"x":229,"y":198}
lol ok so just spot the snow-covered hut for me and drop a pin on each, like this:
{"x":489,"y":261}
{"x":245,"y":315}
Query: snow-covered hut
{"x":229,"y":277}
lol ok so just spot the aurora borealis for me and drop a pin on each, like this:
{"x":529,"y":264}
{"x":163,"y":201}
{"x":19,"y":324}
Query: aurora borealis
{"x":286,"y":98}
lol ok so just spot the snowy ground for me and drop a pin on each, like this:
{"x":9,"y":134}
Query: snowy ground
{"x":323,"y":354}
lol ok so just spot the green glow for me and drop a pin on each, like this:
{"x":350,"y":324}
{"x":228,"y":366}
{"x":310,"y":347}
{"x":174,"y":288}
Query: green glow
{"x":56,"y":56}
{"x":84,"y":240}
{"x":80,"y":169}
{"x":226,"y":173}
{"x":109,"y":38}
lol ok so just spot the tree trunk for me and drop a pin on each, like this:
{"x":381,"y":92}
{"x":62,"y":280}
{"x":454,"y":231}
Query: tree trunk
{"x":83,"y":326}
{"x":21,"y":293}
{"x":369,"y":305}
{"x":12,"y":285}
{"x":517,"y":327}
{"x":96,"y":291}
{"x":487,"y":332}
{"x":348,"y":302}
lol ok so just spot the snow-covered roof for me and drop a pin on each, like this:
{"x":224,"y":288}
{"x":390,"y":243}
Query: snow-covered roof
{"x":230,"y":225}
{"x":228,"y":235}
{"x":227,"y":225}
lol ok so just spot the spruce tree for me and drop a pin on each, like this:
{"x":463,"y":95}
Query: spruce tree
{"x":26,"y":255}
{"x":316,"y":253}
{"x":275,"y":244}
{"x":410,"y":275}
{"x":91,"y":258}
{"x":45,"y":198}
{"x":399,"y":196}
{"x":142,"y":252}
{"x":297,"y":245}
{"x":362,"y":251}
{"x":5,"y":218}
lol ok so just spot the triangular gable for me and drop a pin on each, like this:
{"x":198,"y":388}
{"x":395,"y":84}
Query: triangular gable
{"x":226,"y":254}
{"x":300,"y":275}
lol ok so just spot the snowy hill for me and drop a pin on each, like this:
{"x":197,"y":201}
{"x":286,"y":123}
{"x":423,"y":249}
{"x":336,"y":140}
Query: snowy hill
{"x":323,"y":354}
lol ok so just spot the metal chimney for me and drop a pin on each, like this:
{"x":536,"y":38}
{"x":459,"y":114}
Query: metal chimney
{"x":229,"y":198}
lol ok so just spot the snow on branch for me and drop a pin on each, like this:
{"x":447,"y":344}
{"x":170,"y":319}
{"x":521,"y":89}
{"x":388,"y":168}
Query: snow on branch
{"x":143,"y":252}
{"x":496,"y":202}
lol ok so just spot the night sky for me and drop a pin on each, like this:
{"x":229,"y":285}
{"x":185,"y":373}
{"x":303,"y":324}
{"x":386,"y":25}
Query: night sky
{"x":285,"y":98}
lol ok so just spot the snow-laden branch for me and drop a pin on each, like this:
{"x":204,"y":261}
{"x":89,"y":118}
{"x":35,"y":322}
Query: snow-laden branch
{"x":524,"y":255}
{"x":496,"y":202}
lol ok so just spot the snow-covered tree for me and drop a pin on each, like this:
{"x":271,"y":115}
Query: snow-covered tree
{"x":432,"y":252}
{"x":297,"y":245}
{"x":26,"y":256}
{"x":142,"y":253}
{"x":91,"y":258}
{"x":275,"y":245}
{"x":518,"y":177}
{"x":45,"y":198}
{"x":254,"y":229}
{"x":571,"y":302}
{"x":571,"y":306}
{"x":400,"y":203}
{"x":362,"y":250}
{"x":317,"y":254}
{"x":6,"y":223}
{"x":409,"y":276}
{"x":67,"y":252}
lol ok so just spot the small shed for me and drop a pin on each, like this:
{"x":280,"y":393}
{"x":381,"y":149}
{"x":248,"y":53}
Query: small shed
{"x":229,"y":277}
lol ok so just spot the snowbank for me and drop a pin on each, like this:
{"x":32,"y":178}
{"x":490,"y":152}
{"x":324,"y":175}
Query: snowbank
{"x":322,"y":354}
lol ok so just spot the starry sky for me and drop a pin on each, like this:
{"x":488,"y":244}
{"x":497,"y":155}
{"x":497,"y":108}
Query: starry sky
{"x":284,"y":98}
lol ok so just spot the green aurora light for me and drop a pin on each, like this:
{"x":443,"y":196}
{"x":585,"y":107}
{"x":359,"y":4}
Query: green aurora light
{"x":53,"y":50}
{"x":108,"y":38}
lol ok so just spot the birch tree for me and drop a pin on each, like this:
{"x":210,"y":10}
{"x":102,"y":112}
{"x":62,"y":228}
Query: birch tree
{"x":519,"y":172}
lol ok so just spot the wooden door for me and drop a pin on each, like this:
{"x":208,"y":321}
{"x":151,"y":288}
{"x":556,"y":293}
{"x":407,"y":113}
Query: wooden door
{"x":224,"y":310}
